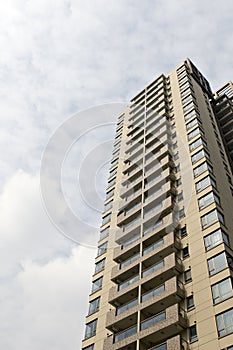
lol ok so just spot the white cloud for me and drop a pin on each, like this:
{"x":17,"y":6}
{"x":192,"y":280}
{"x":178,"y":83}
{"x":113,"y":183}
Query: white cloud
{"x":43,"y":306}
{"x":58,"y":57}
{"x":43,"y":285}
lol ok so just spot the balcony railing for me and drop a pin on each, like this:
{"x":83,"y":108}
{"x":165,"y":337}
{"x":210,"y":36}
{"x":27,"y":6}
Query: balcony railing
{"x":152,"y":210}
{"x":153,"y":194}
{"x":152,"y":247}
{"x":126,"y":307}
{"x":127,"y":198}
{"x":152,"y":227}
{"x":125,"y":334}
{"x":153,"y":292}
{"x":128,"y":282}
{"x":152,"y":269}
{"x":131,"y":224}
{"x":153,"y":320}
{"x":130,"y":241}
{"x":129,"y":261}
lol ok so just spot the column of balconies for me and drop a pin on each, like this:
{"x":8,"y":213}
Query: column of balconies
{"x":146,"y":275}
{"x":151,"y":330}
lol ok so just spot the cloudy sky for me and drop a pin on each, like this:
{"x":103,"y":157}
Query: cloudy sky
{"x":57,"y":58}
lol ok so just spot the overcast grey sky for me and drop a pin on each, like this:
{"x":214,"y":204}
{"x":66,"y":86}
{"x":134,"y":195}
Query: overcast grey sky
{"x":58,"y":57}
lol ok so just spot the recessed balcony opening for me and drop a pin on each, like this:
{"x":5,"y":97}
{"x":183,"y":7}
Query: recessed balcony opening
{"x":121,"y":309}
{"x":152,"y":243}
{"x":126,"y":275}
{"x":126,"y":254}
{"x":132,"y":192}
{"x":122,"y":284}
{"x":125,"y":333}
{"x":149,"y":267}
{"x":150,"y":290}
{"x":124,"y":323}
{"x":129,"y":237}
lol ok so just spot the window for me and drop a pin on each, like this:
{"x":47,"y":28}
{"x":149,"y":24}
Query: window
{"x":211,"y":217}
{"x":217,"y":263}
{"x":192,"y":123}
{"x":94,"y":306}
{"x":180,"y":196}
{"x":200,"y":154}
{"x":225,"y":323}
{"x":181,"y":69}
{"x":205,"y":182}
{"x":202,"y":168}
{"x":194,"y":133}
{"x":222,"y":290}
{"x":190,"y":302}
{"x":193,"y":334}
{"x":183,"y":79}
{"x":185,"y":85}
{"x":176,"y":156}
{"x":197,"y":143}
{"x":111,"y":182}
{"x":187,"y":99}
{"x":106,"y":219}
{"x":160,"y":347}
{"x":108,"y":205}
{"x":190,"y":114}
{"x":97,"y":284}
{"x":109,"y":194}
{"x":104,"y":233}
{"x":178,"y":182}
{"x":102,"y":248}
{"x":99,"y":266}
{"x":215,"y":238}
{"x":186,"y":91}
{"x":187,"y":276}
{"x":183,"y":232}
{"x":206,"y":200}
{"x":188,"y":106}
{"x":90,"y":347}
{"x":185,"y":252}
{"x":90,"y":329}
{"x":181,"y":213}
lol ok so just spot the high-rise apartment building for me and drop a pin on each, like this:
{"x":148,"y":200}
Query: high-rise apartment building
{"x":163,"y":271}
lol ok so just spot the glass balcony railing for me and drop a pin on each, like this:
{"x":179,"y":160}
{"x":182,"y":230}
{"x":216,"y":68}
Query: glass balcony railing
{"x":152,"y":269}
{"x":130,"y":241}
{"x":127,"y":211}
{"x":128,"y":282}
{"x":132,"y":182}
{"x":153,"y":194}
{"x":153,"y":320}
{"x":152,"y":247}
{"x":155,"y":179}
{"x":133,"y":194}
{"x":125,"y":334}
{"x":148,"y":230}
{"x":153,"y":292}
{"x":129,"y":261}
{"x":126,"y":307}
{"x":131,"y":224}
{"x":152,"y":210}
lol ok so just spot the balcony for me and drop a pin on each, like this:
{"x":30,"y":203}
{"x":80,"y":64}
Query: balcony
{"x":172,"y":266}
{"x":129,"y":210}
{"x":159,"y":164}
{"x":160,"y":227}
{"x":152,"y":249}
{"x":153,"y":330}
{"x":128,"y":282}
{"x":169,"y":293}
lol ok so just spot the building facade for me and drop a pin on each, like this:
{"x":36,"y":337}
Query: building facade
{"x":163,"y":271}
